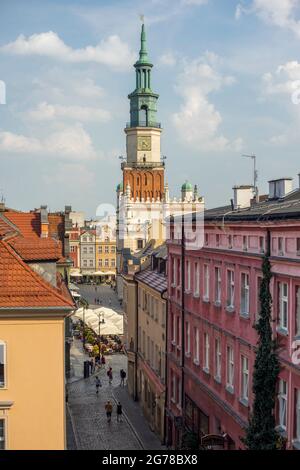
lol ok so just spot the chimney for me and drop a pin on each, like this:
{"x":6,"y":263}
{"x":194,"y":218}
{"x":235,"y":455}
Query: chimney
{"x":44,"y":222}
{"x":242,"y":196}
{"x":280,"y":187}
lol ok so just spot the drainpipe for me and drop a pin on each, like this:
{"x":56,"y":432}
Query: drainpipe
{"x":166,"y":365}
{"x":182,"y":313}
{"x":137,"y":339}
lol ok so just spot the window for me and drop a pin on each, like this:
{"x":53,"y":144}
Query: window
{"x":2,"y":434}
{"x":245,"y":294}
{"x":112,"y":249}
{"x":280,"y":245}
{"x":2,"y":364}
{"x":217,"y":285}
{"x":258,"y":303}
{"x":245,"y":243}
{"x":218,"y":359}
{"x":188,"y":276}
{"x":84,"y":239}
{"x":282,"y":400}
{"x":100,"y":263}
{"x":196,"y":347}
{"x":297,"y":329}
{"x":217,"y":240}
{"x":283,"y":305}
{"x":91,"y":263}
{"x":206,"y":239}
{"x":262,"y":244}
{"x":206,"y":352}
{"x":229,"y":241}
{"x":72,"y":249}
{"x":230,"y":289}
{"x":113,"y":263}
{"x":173,"y":320}
{"x":206,"y":282}
{"x":91,"y":250}
{"x":85,"y":263}
{"x":298,"y":246}
{"x":174,"y":280}
{"x":99,"y":249}
{"x":139,"y":244}
{"x":85,"y":250}
{"x":106,"y":263}
{"x":106,"y":249}
{"x":230,"y":367}
{"x":187,"y":338}
{"x":245,"y":379}
{"x":297,"y":414}
{"x":196,"y":279}
{"x":90,"y":239}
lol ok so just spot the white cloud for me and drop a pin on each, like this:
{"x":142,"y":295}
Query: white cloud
{"x":194,"y":2}
{"x":48,"y":112}
{"x":281,"y":13}
{"x":168,"y":59}
{"x":69,"y":143}
{"x":111,"y":51}
{"x":198,"y":121}
{"x":285,"y":80}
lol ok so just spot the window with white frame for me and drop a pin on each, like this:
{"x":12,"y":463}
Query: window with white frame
{"x":2,"y":364}
{"x":188,"y":276}
{"x":91,"y":263}
{"x":217,"y":240}
{"x":229,"y":241}
{"x":100,"y":263}
{"x":245,"y":379}
{"x":245,"y":298}
{"x":196,"y":346}
{"x":298,"y":245}
{"x":297,"y":414}
{"x":85,"y":250}
{"x":113,"y":263}
{"x":2,"y":434}
{"x":106,"y":249}
{"x":230,"y":367}
{"x":196,"y":279}
{"x":91,"y":249}
{"x":206,"y":351}
{"x":262,"y":244}
{"x":85,"y":263}
{"x":187,"y":338}
{"x":106,"y":263}
{"x":218,"y":357}
{"x":206,"y":282}
{"x":174,"y":328}
{"x":245,"y":242}
{"x":282,"y":403}
{"x":217,"y":284}
{"x":283,"y":305}
{"x":258,"y":303}
{"x":280,"y":245}
{"x":174,"y":272}
{"x":230,"y":288}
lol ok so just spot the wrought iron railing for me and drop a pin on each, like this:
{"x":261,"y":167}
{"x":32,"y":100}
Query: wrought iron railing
{"x":143,"y":124}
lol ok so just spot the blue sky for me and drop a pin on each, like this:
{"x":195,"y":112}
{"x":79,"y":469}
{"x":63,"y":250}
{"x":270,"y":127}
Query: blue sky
{"x":228,"y":76}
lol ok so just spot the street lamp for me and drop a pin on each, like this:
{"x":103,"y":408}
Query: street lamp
{"x":99,"y":322}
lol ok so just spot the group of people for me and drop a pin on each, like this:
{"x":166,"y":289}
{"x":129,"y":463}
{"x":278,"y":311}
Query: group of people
{"x":98,"y":362}
{"x":109,"y":409}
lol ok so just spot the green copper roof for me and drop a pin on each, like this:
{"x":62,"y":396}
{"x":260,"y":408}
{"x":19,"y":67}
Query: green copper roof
{"x":187,"y":186}
{"x":120,"y":187}
{"x":144,"y":59}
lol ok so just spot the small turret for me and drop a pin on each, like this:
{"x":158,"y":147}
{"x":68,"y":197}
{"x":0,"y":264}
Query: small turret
{"x":187,"y":191}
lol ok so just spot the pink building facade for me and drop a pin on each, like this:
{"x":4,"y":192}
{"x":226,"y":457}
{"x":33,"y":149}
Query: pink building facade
{"x":211,"y":339}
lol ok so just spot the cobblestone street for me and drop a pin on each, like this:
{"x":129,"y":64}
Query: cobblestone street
{"x":87,"y":426}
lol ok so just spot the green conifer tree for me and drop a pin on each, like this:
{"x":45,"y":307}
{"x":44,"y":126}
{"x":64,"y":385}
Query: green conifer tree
{"x":261,"y":433}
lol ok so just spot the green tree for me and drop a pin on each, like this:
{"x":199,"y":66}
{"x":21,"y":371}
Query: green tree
{"x":261,"y":433}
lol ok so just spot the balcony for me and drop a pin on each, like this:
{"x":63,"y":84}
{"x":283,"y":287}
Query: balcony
{"x":142,"y":165}
{"x":143,"y":124}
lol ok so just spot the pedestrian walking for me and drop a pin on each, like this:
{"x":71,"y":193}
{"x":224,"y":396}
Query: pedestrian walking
{"x":93,"y":365}
{"x":98,"y":384}
{"x":122,"y":376}
{"x":110,"y":375}
{"x":103,"y":361}
{"x":119,"y":412}
{"x":108,"y":409}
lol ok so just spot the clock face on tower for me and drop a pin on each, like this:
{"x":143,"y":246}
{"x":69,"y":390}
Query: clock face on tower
{"x":144,"y":142}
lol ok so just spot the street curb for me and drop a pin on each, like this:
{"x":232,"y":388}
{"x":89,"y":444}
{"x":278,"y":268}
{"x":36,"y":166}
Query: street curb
{"x":130,"y":425}
{"x":73,"y":427}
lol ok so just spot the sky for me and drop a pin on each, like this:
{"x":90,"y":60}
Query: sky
{"x":228,"y":76}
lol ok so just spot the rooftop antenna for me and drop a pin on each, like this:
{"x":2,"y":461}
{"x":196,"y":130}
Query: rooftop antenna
{"x":255,"y":175}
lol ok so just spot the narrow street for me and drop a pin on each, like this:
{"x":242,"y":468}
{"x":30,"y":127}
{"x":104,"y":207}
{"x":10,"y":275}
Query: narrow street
{"x":87,"y":426}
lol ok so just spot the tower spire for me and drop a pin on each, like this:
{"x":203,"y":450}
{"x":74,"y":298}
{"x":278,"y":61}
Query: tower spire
{"x":143,"y":51}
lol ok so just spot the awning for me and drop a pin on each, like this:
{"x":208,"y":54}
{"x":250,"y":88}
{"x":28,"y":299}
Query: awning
{"x":113,"y":321}
{"x":75,"y":273}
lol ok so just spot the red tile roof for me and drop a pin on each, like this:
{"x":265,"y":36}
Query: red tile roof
{"x":6,"y":227}
{"x":28,"y":223}
{"x":21,"y":287}
{"x":31,"y":249}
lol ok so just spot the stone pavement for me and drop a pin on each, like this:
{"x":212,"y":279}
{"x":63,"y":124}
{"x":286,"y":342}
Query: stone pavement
{"x":104,"y":293}
{"x":90,"y":429}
